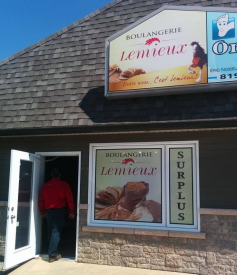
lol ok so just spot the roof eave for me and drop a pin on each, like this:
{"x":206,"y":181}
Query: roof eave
{"x":126,"y":127}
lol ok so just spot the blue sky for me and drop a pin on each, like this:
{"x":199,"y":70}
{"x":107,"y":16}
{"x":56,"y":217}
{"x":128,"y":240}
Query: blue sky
{"x":24,"y":22}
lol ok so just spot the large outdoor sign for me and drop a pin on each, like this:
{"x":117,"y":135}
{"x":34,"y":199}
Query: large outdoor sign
{"x":174,"y":49}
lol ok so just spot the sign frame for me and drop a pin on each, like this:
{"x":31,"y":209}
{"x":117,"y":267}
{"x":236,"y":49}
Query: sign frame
{"x":195,"y":184}
{"x":165,"y":225}
{"x":198,"y":88}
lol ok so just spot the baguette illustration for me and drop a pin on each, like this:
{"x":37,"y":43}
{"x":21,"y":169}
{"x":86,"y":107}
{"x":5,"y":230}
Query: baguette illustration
{"x":130,"y":73}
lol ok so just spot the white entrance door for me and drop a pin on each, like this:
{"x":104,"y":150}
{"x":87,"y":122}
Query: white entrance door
{"x":22,"y":214}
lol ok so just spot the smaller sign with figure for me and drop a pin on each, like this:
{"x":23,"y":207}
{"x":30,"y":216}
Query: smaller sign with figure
{"x":223,"y":27}
{"x":222,"y":47}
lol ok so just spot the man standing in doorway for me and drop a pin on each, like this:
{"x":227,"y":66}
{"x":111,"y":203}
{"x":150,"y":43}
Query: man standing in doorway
{"x":55,"y":196}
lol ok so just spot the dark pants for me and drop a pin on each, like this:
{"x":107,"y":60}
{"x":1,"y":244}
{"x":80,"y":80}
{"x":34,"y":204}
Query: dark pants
{"x":56,"y":222}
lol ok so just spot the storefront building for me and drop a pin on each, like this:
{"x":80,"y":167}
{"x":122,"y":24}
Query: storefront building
{"x":136,"y":103}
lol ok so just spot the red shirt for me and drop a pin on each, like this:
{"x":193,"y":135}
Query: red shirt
{"x":56,"y":194}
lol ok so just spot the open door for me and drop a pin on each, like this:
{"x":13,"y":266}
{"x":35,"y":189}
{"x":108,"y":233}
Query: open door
{"x":22,"y":215}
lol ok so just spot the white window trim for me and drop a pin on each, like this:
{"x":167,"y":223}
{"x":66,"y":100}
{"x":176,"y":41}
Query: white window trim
{"x":165,"y":190}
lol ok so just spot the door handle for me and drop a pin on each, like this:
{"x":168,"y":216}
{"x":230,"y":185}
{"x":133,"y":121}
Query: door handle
{"x":13,"y":217}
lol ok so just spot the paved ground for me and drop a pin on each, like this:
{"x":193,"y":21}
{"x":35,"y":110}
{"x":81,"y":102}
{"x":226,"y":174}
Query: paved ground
{"x":41,"y":267}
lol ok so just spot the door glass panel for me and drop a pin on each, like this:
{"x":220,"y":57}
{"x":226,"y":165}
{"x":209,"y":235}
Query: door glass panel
{"x":24,"y":199}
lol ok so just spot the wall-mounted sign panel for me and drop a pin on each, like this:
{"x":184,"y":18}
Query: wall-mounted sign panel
{"x":181,"y":186}
{"x":174,"y":49}
{"x":222,"y":47}
{"x":129,"y":185}
{"x":144,"y":185}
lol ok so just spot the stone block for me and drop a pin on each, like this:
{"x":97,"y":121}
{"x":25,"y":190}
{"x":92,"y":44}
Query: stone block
{"x":132,"y":251}
{"x":227,"y":262}
{"x":166,"y":248}
{"x":186,"y":258}
{"x":159,"y":260}
{"x":212,"y":270}
{"x":232,"y":256}
{"x":190,"y":235}
{"x":84,"y":242}
{"x":87,"y":250}
{"x":145,"y":266}
{"x":202,"y":253}
{"x":150,"y":249}
{"x":196,"y":259}
{"x":140,"y":260}
{"x":94,"y":256}
{"x":173,"y":260}
{"x":211,"y":258}
{"x":185,"y":251}
{"x":98,"y":245}
{"x":117,"y":261}
{"x":190,"y":264}
{"x":106,"y":252}
{"x":117,"y":252}
{"x":112,"y":246}
{"x":188,"y":270}
{"x":119,"y":241}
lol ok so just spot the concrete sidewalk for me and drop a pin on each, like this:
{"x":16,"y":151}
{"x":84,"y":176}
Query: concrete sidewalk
{"x":41,"y":267}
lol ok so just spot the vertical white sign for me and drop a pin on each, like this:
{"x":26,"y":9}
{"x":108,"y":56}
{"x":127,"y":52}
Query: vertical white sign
{"x":181,"y":186}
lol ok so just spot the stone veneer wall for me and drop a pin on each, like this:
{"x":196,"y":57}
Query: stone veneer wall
{"x":216,"y":254}
{"x":3,"y":219}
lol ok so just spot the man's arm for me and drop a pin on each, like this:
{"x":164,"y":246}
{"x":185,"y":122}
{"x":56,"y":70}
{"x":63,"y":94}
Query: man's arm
{"x":69,"y":198}
{"x":41,"y":203}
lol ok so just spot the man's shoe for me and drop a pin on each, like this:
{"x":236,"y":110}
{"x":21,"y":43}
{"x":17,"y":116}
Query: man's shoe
{"x":53,"y":259}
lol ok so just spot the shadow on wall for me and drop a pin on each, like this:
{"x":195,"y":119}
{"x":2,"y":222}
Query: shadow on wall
{"x":158,"y":108}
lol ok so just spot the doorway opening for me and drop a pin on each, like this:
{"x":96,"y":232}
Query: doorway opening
{"x":70,"y":172}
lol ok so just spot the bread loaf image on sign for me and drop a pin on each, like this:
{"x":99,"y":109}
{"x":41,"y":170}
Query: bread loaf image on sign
{"x":116,"y":74}
{"x":127,"y":204}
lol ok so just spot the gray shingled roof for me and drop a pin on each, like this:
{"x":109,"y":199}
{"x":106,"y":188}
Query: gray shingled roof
{"x":59,"y":81}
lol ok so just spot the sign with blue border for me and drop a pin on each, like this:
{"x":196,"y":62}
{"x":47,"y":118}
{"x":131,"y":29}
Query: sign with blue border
{"x":222,"y":47}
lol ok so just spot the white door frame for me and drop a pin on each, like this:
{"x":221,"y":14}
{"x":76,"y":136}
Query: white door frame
{"x":70,"y":154}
